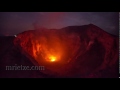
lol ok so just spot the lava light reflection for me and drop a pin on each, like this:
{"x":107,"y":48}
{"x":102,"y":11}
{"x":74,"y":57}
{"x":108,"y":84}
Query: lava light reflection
{"x":52,"y":58}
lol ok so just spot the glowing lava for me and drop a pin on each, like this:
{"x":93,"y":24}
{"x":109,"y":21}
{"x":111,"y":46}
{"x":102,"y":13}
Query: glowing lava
{"x":52,"y":58}
{"x":46,"y":45}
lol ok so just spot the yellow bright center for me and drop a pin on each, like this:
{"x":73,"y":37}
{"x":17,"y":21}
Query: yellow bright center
{"x":52,"y":58}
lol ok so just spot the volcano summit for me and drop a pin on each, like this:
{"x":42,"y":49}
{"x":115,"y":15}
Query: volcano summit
{"x":75,"y":51}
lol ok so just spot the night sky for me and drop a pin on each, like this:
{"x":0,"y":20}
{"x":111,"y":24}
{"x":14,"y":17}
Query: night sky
{"x":12,"y":23}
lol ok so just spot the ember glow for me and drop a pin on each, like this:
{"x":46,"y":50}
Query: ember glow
{"x":51,"y":46}
{"x":52,"y":58}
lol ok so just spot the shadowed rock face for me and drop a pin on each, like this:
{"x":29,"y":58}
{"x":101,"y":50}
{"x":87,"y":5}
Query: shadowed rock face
{"x":79,"y":51}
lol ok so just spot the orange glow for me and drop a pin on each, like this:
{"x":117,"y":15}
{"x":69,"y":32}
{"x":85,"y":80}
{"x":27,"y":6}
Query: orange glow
{"x":53,"y":46}
{"x":52,"y":58}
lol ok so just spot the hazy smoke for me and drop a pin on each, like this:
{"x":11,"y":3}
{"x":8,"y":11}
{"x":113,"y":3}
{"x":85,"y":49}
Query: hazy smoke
{"x":49,"y":20}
